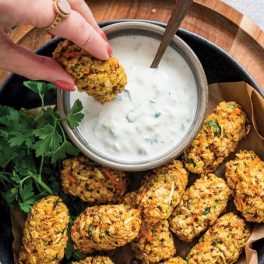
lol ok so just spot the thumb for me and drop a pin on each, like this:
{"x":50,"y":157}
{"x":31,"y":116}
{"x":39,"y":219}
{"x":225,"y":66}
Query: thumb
{"x":24,"y":62}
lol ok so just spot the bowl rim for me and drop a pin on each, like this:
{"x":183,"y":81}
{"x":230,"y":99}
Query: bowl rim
{"x":202,"y":88}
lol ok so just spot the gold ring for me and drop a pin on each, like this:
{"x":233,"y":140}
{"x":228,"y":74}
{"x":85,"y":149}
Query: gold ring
{"x":62,"y":9}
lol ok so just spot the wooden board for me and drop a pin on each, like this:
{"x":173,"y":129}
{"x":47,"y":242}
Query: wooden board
{"x":211,"y":19}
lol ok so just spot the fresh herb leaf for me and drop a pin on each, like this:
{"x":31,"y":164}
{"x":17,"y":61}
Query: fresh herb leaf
{"x":78,"y":255}
{"x":157,"y":115}
{"x":63,"y":150}
{"x":230,"y":106}
{"x":214,"y":243}
{"x":49,"y":140}
{"x":74,"y":116}
{"x":185,"y":202}
{"x":90,"y":230}
{"x":32,"y":144}
{"x":41,"y":88}
{"x":215,"y":125}
{"x":18,"y":138}
{"x":27,"y":197}
{"x":7,"y":153}
{"x":11,"y":196}
{"x":201,"y":239}
{"x":206,"y":211}
{"x":69,"y":249}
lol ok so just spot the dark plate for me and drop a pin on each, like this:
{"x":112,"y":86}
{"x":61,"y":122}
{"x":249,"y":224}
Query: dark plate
{"x":218,"y":66}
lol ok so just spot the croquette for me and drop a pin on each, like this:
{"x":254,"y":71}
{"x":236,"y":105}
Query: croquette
{"x":103,"y":80}
{"x":176,"y":260}
{"x":224,"y":240}
{"x":200,"y":207}
{"x":95,"y":260}
{"x":91,"y":183}
{"x":45,"y":232}
{"x":245,"y":176}
{"x":206,"y":253}
{"x":162,"y":191}
{"x":154,"y":243}
{"x":105,"y":227}
{"x":219,"y":136}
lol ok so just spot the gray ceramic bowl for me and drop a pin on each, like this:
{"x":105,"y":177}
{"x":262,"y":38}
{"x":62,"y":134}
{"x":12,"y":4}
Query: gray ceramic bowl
{"x":146,"y":29}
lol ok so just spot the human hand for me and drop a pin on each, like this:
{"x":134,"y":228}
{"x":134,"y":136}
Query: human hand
{"x":79,"y":27}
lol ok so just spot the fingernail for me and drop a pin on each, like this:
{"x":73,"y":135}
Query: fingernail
{"x":5,"y":30}
{"x":109,"y":50}
{"x":52,"y":36}
{"x":64,"y":85}
{"x":104,"y":36}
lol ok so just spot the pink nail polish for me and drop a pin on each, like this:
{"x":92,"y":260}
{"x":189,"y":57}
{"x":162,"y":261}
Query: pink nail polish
{"x":52,"y":36}
{"x":104,"y":36}
{"x":109,"y":50}
{"x":5,"y":30}
{"x":64,"y":85}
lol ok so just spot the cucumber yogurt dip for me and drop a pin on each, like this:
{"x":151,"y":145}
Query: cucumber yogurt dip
{"x":152,"y":115}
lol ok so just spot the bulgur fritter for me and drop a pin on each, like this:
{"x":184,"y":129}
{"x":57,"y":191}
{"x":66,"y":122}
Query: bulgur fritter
{"x":105,"y":227}
{"x":228,"y":235}
{"x":95,"y":260}
{"x":245,"y":176}
{"x":154,"y":243}
{"x":45,"y":232}
{"x":219,"y":136}
{"x":206,"y":253}
{"x":92,"y":184}
{"x":162,"y":191}
{"x":101,"y":79}
{"x":200,"y":207}
{"x":176,"y":260}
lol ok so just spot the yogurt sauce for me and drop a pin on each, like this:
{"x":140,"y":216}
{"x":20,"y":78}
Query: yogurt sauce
{"x":152,"y":115}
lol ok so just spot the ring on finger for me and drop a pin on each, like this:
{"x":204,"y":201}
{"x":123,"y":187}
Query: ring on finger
{"x":62,"y":9}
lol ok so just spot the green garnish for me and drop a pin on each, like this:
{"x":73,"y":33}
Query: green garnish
{"x":185,"y":202}
{"x":230,"y":106}
{"x":31,"y":146}
{"x":214,"y":243}
{"x":214,"y":124}
{"x":201,"y":239}
{"x":90,"y":234}
{"x":56,"y":203}
{"x":206,"y":211}
{"x":157,"y":115}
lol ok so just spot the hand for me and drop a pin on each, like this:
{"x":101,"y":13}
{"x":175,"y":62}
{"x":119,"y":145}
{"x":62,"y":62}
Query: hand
{"x":79,"y":27}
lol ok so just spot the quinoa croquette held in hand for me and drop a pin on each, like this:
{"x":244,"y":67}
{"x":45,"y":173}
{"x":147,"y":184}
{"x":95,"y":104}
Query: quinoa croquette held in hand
{"x":76,"y":23}
{"x":103,"y":80}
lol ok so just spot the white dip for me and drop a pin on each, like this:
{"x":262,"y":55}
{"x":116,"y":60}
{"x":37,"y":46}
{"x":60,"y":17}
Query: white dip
{"x":152,"y":115}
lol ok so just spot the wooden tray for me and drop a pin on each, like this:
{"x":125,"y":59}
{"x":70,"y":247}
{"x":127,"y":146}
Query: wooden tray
{"x":212,"y":19}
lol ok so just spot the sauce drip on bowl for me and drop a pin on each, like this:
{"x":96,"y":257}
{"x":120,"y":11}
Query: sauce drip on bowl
{"x":152,"y":115}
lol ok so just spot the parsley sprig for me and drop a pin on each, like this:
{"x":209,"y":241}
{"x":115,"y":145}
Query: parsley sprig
{"x":31,"y":146}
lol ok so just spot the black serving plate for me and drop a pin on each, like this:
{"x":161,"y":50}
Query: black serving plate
{"x":218,"y":66}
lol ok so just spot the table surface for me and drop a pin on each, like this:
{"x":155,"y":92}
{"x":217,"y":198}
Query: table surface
{"x":254,"y":9}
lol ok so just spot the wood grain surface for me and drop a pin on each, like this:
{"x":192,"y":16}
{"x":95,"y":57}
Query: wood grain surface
{"x":211,"y":19}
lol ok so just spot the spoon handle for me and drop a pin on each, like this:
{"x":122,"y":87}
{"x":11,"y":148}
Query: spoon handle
{"x":179,"y":11}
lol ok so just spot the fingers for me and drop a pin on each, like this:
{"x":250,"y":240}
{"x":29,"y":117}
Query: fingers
{"x":23,"y":62}
{"x":76,"y":29}
{"x":82,"y":8}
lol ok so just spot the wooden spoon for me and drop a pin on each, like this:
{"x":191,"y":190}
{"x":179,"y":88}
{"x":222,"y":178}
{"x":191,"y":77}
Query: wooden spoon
{"x":178,"y":13}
